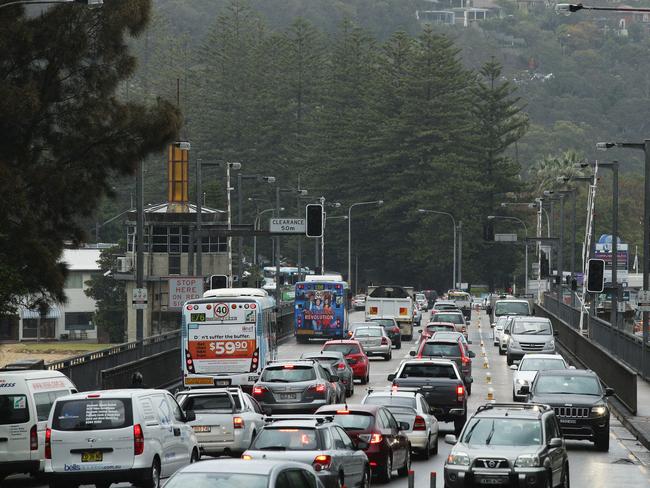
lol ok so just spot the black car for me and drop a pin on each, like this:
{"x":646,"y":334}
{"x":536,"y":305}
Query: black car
{"x":509,"y":444}
{"x":579,"y":400}
{"x":392,"y":330}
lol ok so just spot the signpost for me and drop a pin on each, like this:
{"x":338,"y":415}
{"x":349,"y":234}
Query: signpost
{"x":643,"y":300}
{"x":505,"y":237}
{"x":287,"y":226}
{"x":140,"y":298}
{"x":182,"y":289}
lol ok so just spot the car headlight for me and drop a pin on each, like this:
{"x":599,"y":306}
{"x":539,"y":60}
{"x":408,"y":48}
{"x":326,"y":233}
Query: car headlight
{"x":527,"y":461}
{"x":513,"y":343}
{"x":521,"y":381}
{"x":599,"y":410}
{"x":458,"y":459}
{"x":550,"y":344}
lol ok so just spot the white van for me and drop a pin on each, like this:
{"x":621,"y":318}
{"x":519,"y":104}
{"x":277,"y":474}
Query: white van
{"x":26,"y":398}
{"x":113,"y":436}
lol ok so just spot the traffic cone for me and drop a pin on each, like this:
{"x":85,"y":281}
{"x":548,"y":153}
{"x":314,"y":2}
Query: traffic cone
{"x":488,"y":378}
{"x":490,"y":394}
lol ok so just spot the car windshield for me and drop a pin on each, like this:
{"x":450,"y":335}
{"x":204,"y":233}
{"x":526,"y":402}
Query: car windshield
{"x":419,"y":296}
{"x":354,"y":420}
{"x":541,"y":364}
{"x":218,"y":480}
{"x":511,"y":308}
{"x":367,"y":332}
{"x":503,"y":432}
{"x":428,"y":370}
{"x":342,"y":348}
{"x":13,"y":409}
{"x":445,"y":306}
{"x":199,"y":403}
{"x":440,"y":349}
{"x":390,"y":400}
{"x":568,"y":384}
{"x":454,"y":318}
{"x":531,"y":328}
{"x":501,"y":321}
{"x":384,"y":322}
{"x":285,"y":439}
{"x":288,"y":373}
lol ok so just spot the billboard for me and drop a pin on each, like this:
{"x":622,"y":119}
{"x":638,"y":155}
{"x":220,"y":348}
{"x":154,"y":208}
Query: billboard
{"x":604,"y":251}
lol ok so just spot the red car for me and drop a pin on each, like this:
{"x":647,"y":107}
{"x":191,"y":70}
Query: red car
{"x":355,"y":355}
{"x":387,"y":449}
{"x":433,"y":327}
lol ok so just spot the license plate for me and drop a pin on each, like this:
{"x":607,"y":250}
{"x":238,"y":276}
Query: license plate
{"x":287,"y":396}
{"x":222,"y":382}
{"x":92,"y":457}
{"x":567,"y":421}
{"x":492,"y":481}
{"x":202,"y":428}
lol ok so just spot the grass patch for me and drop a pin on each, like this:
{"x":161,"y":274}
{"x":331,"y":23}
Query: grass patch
{"x":57,"y":347}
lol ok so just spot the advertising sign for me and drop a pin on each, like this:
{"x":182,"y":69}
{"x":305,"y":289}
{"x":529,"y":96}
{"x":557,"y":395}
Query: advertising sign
{"x":604,"y":251}
{"x":182,"y":289}
{"x":318,"y":311}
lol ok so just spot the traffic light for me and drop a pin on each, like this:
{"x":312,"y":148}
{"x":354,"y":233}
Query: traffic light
{"x":596,"y":276}
{"x":314,"y":217}
{"x":218,"y":281}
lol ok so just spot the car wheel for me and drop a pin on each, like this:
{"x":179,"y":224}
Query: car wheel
{"x":153,"y":478}
{"x":469,"y":389}
{"x":434,"y":449}
{"x":387,"y":472}
{"x":426,"y":452}
{"x":363,"y":380}
{"x":509,"y":361}
{"x":566,"y":481}
{"x":367,"y":380}
{"x":404,"y":470}
{"x":388,"y":356}
{"x":365,"y":478}
{"x":194,"y":458}
{"x":602,"y":440}
{"x":399,"y":345}
{"x":501,"y":351}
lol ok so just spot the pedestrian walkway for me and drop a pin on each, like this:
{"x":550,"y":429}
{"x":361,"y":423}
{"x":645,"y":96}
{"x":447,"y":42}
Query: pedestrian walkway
{"x":638,"y":424}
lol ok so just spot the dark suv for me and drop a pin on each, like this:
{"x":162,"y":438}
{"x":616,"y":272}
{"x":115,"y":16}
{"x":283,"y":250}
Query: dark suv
{"x":579,"y":400}
{"x":301,"y":385}
{"x":509,"y":444}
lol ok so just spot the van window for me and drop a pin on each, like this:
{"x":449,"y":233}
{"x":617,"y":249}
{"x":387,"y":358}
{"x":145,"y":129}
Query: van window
{"x":13,"y":409}
{"x":92,"y":414}
{"x":44,"y":402}
{"x":147,"y":411}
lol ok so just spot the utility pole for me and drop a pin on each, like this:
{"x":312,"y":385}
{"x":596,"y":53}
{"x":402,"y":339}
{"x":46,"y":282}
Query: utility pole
{"x":240,"y":239}
{"x":199,"y":218}
{"x":139,"y":246}
{"x":560,"y":256}
{"x":615,"y":287}
{"x":460,"y":252}
{"x":278,"y":295}
{"x":322,"y":247}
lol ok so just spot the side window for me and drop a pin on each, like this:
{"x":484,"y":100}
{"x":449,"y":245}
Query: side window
{"x":549,"y":428}
{"x":326,"y":437}
{"x":338,"y":441}
{"x":44,"y":402}
{"x":256,"y":406}
{"x":556,"y":428}
{"x":175,"y":409}
{"x":425,"y":406}
{"x":389,"y":419}
{"x":345,"y":438}
{"x":379,"y":420}
{"x":295,"y":478}
{"x":148,"y":412}
{"x":323,"y":372}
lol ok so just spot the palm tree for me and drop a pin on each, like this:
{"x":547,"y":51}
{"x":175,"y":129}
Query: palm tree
{"x":545,"y":172}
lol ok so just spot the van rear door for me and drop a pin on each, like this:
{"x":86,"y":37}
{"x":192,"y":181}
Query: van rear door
{"x":16,"y":423}
{"x":92,"y":434}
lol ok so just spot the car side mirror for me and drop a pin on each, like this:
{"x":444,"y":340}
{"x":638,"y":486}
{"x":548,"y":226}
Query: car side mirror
{"x":556,"y":332}
{"x":524,"y":389}
{"x":471,"y":354}
{"x":609,"y":391}
{"x":404,"y":426}
{"x":555,"y":442}
{"x":412,"y":353}
{"x":514,"y":367}
{"x":451,"y":439}
{"x":190,"y":416}
{"x":334,"y":378}
{"x":391,"y":377}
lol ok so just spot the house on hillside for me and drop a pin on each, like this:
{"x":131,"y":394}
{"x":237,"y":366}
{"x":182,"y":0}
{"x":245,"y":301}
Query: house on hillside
{"x":458,"y":12}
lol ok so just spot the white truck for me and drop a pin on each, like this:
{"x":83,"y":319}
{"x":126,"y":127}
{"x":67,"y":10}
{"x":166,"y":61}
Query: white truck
{"x":389,"y":301}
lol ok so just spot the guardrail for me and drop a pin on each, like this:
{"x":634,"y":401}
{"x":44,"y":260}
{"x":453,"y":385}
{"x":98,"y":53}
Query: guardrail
{"x":161,"y":370}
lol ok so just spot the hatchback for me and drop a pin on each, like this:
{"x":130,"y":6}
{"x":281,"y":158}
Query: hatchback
{"x":354,"y":355}
{"x":453,"y":349}
{"x":392,"y":329}
{"x":340,"y":367}
{"x":374,"y":340}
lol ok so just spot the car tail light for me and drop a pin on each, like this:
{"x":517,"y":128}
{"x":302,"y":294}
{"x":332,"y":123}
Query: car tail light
{"x":319,"y":388}
{"x":237,"y":423}
{"x":384,"y":341}
{"x":376,"y":438}
{"x":419,"y":423}
{"x":460,"y":393}
{"x":342,"y":412}
{"x":321,"y":462}
{"x":466,"y":360}
{"x":138,"y":440}
{"x":396,"y":330}
{"x":340,"y":366}
{"x":48,"y":443}
{"x":33,"y":438}
{"x":259,"y":391}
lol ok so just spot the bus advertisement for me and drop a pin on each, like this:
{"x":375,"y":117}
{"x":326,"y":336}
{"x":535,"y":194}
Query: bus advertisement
{"x":320,"y":310}
{"x":227,"y":337}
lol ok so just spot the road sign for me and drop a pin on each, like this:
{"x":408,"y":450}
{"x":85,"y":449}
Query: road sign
{"x":287,"y":226}
{"x":140,"y":298}
{"x":505,"y":237}
{"x":182,"y":289}
{"x":643,"y":300}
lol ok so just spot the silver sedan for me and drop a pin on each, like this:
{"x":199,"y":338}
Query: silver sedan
{"x":374,"y":340}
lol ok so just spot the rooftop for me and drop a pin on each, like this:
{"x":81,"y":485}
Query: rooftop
{"x":81,"y":259}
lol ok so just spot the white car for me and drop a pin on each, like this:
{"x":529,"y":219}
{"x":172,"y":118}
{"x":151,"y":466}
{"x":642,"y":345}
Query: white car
{"x":422,"y":301}
{"x":112,"y":436}
{"x":411,"y":407}
{"x":505,"y":337}
{"x":528,"y":367}
{"x":227,"y":419}
{"x":497,"y":331}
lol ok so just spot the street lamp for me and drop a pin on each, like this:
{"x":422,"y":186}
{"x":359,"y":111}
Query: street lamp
{"x":457,"y":249}
{"x":506,"y":217}
{"x":256,"y":225}
{"x":357,"y":204}
{"x":569,"y":8}
{"x":89,"y":3}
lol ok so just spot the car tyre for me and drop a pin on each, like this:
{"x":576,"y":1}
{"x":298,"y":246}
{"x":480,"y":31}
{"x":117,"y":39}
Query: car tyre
{"x":350,"y":391}
{"x":501,"y":351}
{"x":566,"y":480}
{"x":434,"y":449}
{"x":404,"y":470}
{"x":195,"y":456}
{"x":387,"y":472}
{"x":426,"y":452}
{"x":469,"y":389}
{"x":509,"y":361}
{"x":365,"y":479}
{"x":152,"y":480}
{"x":388,"y":356}
{"x":399,"y":345}
{"x":602,"y":440}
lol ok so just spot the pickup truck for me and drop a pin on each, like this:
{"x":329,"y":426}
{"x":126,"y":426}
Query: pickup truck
{"x":441,"y":385}
{"x":392,"y":301}
{"x":463,"y":301}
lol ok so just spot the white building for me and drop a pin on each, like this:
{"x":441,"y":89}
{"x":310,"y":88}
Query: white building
{"x":74,"y":319}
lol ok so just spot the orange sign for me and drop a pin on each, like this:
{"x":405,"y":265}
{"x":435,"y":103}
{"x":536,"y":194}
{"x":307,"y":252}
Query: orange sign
{"x":222,"y":349}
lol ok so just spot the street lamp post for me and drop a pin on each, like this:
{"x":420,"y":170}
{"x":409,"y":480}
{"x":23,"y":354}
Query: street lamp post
{"x":89,"y":3}
{"x":453,"y":221}
{"x":357,"y":204}
{"x":507,"y":217}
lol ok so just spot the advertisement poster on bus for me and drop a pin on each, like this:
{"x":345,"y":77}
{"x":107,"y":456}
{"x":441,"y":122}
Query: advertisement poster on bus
{"x":319,"y":310}
{"x":223,"y":340}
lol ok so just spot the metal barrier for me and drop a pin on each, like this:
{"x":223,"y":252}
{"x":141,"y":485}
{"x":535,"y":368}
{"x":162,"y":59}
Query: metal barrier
{"x":611,"y":371}
{"x":85,"y":370}
{"x":161,"y":370}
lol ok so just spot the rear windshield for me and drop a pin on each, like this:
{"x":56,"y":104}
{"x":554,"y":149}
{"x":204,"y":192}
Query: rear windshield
{"x":93,"y":414}
{"x":217,"y":480}
{"x":354,"y":421}
{"x":419,"y":296}
{"x":343,"y":348}
{"x":445,"y":306}
{"x":279,"y":439}
{"x":384,"y":322}
{"x":219,"y":402}
{"x":538,"y":364}
{"x":503,"y":432}
{"x":454,"y":318}
{"x":440,"y":349}
{"x":440,"y":327}
{"x":286,"y":374}
{"x":511,"y":308}
{"x":429,"y":370}
{"x":391,"y":400}
{"x":13,"y":409}
{"x":531,"y":328}
{"x":570,"y":385}
{"x":325,"y":359}
{"x":368,"y":332}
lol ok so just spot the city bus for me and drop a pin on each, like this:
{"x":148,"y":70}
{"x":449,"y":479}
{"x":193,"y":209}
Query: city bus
{"x":227,"y":337}
{"x":320,"y":309}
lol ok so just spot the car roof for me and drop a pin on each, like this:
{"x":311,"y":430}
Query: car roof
{"x":441,"y":340}
{"x":31,"y":374}
{"x":324,"y":354}
{"x":391,"y":393}
{"x":354,"y":407}
{"x":539,"y":355}
{"x":441,"y":336}
{"x":224,"y":465}
{"x":512,"y":410}
{"x":565,"y":372}
{"x":102,"y":394}
{"x":282,"y":362}
{"x":304,"y":423}
{"x":343,"y":341}
{"x":428,"y":360}
{"x":449,"y":311}
{"x":530,"y":318}
{"x":437,"y":322}
{"x":364,"y":324}
{"x":208,"y":391}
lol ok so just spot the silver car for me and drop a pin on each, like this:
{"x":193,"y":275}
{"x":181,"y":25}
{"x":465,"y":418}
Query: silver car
{"x":315,"y":441}
{"x":340,"y":367}
{"x":529,"y":334}
{"x":374,"y":340}
{"x":525,"y":372}
{"x":237,"y":473}
{"x":227,"y":419}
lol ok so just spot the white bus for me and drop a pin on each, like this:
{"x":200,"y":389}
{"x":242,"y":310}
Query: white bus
{"x":227,"y":337}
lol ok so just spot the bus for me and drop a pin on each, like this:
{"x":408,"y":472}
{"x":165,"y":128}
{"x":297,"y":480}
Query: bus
{"x":320,"y":309}
{"x":227,"y":337}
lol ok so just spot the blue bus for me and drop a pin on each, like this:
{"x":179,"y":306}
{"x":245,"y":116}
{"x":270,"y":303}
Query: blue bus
{"x":320,"y":309}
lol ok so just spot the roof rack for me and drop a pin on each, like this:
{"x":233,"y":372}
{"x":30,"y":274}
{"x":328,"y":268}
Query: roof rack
{"x":304,"y":360}
{"x":320,"y":419}
{"x":393,"y":389}
{"x":523,"y":406}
